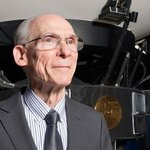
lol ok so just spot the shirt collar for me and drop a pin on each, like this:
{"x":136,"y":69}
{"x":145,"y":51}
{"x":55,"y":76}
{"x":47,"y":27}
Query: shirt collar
{"x":39,"y":108}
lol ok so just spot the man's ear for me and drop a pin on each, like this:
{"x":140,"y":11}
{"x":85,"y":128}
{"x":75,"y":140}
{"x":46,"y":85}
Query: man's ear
{"x":20,"y":55}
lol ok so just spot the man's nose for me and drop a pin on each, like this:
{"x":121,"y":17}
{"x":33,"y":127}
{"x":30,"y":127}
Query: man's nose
{"x":64,"y":48}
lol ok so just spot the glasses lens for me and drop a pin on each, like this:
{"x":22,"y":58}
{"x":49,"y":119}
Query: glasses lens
{"x":75,"y":43}
{"x":50,"y":41}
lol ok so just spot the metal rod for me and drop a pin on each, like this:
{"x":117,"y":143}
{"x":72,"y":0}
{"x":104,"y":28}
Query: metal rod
{"x":116,"y":53}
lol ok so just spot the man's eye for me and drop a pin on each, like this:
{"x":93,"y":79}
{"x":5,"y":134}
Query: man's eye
{"x":71,"y":41}
{"x":48,"y":39}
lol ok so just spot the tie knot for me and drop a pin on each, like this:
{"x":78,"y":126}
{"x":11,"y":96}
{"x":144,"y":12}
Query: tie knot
{"x":52,"y":117}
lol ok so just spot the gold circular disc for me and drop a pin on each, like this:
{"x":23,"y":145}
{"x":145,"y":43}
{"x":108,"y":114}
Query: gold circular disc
{"x":111,"y":109}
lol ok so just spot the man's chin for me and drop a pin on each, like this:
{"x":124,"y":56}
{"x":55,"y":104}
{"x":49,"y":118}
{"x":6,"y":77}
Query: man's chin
{"x":62,"y":83}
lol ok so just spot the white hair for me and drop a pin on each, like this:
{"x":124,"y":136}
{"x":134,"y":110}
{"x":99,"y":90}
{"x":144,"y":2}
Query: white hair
{"x":22,"y":33}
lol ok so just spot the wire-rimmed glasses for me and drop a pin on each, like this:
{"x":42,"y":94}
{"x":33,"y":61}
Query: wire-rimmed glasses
{"x":51,"y":41}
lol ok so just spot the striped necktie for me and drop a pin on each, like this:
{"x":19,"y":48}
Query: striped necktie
{"x":52,"y":137}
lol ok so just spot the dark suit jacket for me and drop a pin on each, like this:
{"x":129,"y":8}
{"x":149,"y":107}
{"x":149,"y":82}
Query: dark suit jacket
{"x":86,"y":128}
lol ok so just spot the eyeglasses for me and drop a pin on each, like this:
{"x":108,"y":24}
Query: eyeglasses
{"x":52,"y":41}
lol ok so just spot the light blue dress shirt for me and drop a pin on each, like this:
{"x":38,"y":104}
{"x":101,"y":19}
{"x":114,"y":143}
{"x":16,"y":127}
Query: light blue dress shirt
{"x":35,"y":112}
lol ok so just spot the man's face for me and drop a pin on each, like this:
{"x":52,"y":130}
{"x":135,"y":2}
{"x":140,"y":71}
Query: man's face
{"x":56,"y":66}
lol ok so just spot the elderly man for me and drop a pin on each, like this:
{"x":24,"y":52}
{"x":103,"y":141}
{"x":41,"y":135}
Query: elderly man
{"x":46,"y":47}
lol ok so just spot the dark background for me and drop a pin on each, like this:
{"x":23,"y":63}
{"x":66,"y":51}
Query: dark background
{"x":101,"y":41}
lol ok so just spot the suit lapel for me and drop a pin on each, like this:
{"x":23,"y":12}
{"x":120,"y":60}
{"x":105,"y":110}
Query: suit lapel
{"x":74,"y":121}
{"x":13,"y":120}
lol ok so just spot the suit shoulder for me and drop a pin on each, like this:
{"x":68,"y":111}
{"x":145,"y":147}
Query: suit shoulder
{"x":11,"y":101}
{"x":81,"y":105}
{"x":84,"y":109}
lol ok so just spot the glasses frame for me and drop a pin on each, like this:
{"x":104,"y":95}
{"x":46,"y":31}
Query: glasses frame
{"x":79,"y":46}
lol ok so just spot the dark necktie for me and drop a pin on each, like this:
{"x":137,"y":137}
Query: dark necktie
{"x":52,"y":137}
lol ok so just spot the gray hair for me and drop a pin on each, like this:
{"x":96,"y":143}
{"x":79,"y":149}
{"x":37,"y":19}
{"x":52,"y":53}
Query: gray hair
{"x":22,"y":34}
